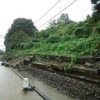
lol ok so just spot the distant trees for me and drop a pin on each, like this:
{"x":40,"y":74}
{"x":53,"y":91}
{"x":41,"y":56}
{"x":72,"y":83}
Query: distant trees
{"x":96,"y":4}
{"x":64,"y":18}
{"x":21,"y":30}
{"x":96,"y":8}
{"x":1,"y":52}
{"x":94,"y":1}
{"x":23,"y":24}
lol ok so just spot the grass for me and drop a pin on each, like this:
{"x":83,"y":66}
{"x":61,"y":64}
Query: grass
{"x":73,"y":48}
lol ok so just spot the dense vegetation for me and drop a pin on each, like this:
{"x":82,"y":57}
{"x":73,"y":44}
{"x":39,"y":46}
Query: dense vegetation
{"x":62,"y":37}
{"x":70,"y":39}
{"x":21,"y":31}
{"x":1,"y":52}
{"x":96,"y":4}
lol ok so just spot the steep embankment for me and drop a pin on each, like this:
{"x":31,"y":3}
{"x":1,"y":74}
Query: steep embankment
{"x":38,"y":66}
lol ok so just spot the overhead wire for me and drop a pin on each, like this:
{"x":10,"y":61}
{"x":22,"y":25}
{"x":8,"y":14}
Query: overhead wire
{"x":59,"y":13}
{"x":47,"y":11}
{"x":63,"y":5}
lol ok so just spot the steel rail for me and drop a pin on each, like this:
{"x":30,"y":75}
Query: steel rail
{"x":89,"y":79}
{"x":74,"y":76}
{"x":32,"y":87}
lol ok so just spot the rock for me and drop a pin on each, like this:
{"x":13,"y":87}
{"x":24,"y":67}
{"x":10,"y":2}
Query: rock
{"x":98,"y":71}
{"x":84,"y":59}
{"x":97,"y":64}
{"x":14,"y":66}
{"x":87,"y":64}
{"x":26,"y":61}
{"x":5,"y":64}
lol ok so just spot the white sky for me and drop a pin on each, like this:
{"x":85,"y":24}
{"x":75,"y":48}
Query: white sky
{"x":34,"y":9}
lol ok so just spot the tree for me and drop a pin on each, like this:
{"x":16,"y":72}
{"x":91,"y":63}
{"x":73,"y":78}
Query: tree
{"x":23,"y":24}
{"x":96,"y":8}
{"x":94,"y":1}
{"x":96,"y":4}
{"x":16,"y":38}
{"x":53,"y":23}
{"x":1,"y":52}
{"x":21,"y":30}
{"x":64,"y":18}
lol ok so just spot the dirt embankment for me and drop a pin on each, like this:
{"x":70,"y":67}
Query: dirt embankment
{"x":69,"y":86}
{"x":85,"y":65}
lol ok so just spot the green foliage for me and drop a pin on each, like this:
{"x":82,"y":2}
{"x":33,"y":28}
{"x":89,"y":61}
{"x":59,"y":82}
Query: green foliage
{"x":96,"y":16}
{"x":44,"y":34}
{"x":97,"y":7}
{"x":65,"y":29}
{"x":70,"y":28}
{"x":21,"y":31}
{"x":64,"y":18}
{"x":53,"y":39}
{"x":16,"y":38}
{"x":94,"y":1}
{"x":52,"y":23}
{"x":96,"y":4}
{"x":23,"y":24}
{"x":68,"y":66}
{"x":82,"y":31}
{"x":1,"y":52}
{"x":72,"y":39}
{"x":98,"y":26}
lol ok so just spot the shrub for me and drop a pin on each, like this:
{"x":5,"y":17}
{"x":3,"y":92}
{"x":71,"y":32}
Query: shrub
{"x":98,"y":26}
{"x":54,"y":38}
{"x":44,"y":34}
{"x":81,"y":32}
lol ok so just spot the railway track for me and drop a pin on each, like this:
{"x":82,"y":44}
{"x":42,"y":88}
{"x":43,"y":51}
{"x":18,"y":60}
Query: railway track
{"x":87,"y":78}
{"x":32,"y":88}
{"x":82,"y":77}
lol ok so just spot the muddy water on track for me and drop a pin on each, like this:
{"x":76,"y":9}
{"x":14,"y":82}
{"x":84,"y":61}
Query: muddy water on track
{"x":52,"y":93}
{"x":11,"y":87}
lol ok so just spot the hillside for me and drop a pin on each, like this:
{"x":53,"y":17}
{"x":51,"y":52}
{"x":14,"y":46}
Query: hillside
{"x":70,"y":39}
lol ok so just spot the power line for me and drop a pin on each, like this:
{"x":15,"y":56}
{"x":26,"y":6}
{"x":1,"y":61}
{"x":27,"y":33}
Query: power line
{"x":58,"y":13}
{"x":47,"y":12}
{"x":63,"y":5}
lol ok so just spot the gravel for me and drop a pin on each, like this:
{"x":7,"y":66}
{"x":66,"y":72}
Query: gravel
{"x":74,"y":88}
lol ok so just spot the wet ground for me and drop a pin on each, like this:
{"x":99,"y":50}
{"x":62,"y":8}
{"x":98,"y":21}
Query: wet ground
{"x":74,"y":88}
{"x":11,"y":87}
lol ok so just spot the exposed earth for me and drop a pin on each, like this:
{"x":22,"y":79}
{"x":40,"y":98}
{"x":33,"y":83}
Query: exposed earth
{"x":71,"y":87}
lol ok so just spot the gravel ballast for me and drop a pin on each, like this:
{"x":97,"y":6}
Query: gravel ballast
{"x":74,"y":88}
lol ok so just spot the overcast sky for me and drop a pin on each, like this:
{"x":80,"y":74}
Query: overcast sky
{"x":34,"y":9}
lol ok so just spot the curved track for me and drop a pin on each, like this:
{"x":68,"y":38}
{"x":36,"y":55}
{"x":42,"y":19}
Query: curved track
{"x":83,"y":78}
{"x":33,"y":88}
